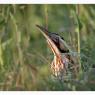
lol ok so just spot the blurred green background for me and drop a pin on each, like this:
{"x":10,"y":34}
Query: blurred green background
{"x":24,"y":55}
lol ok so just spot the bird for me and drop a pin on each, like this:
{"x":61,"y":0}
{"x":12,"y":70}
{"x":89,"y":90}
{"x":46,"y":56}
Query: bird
{"x":59,"y":64}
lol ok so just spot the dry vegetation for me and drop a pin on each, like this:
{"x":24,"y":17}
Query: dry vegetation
{"x":24,"y":55}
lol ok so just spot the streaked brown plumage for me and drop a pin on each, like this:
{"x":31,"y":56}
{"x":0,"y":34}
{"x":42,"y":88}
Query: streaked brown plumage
{"x":55,"y":43}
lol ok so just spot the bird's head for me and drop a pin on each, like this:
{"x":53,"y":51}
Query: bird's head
{"x":51,"y":44}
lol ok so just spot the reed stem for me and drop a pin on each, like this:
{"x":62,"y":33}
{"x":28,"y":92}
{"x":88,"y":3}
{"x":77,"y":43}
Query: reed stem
{"x":78,"y":38}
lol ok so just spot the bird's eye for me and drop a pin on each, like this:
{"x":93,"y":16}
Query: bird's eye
{"x":57,"y":39}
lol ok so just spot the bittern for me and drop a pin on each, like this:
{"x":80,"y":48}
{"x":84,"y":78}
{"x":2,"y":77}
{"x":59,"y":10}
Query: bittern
{"x":55,"y":42}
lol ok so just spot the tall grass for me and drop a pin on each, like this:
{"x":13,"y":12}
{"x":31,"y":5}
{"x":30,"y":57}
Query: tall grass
{"x":24,"y":60}
{"x":78,"y":35}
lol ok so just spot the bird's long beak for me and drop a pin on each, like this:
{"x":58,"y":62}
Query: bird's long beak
{"x":50,"y":42}
{"x":41,"y":28}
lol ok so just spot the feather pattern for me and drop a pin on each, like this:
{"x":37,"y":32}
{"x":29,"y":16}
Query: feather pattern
{"x":59,"y":63}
